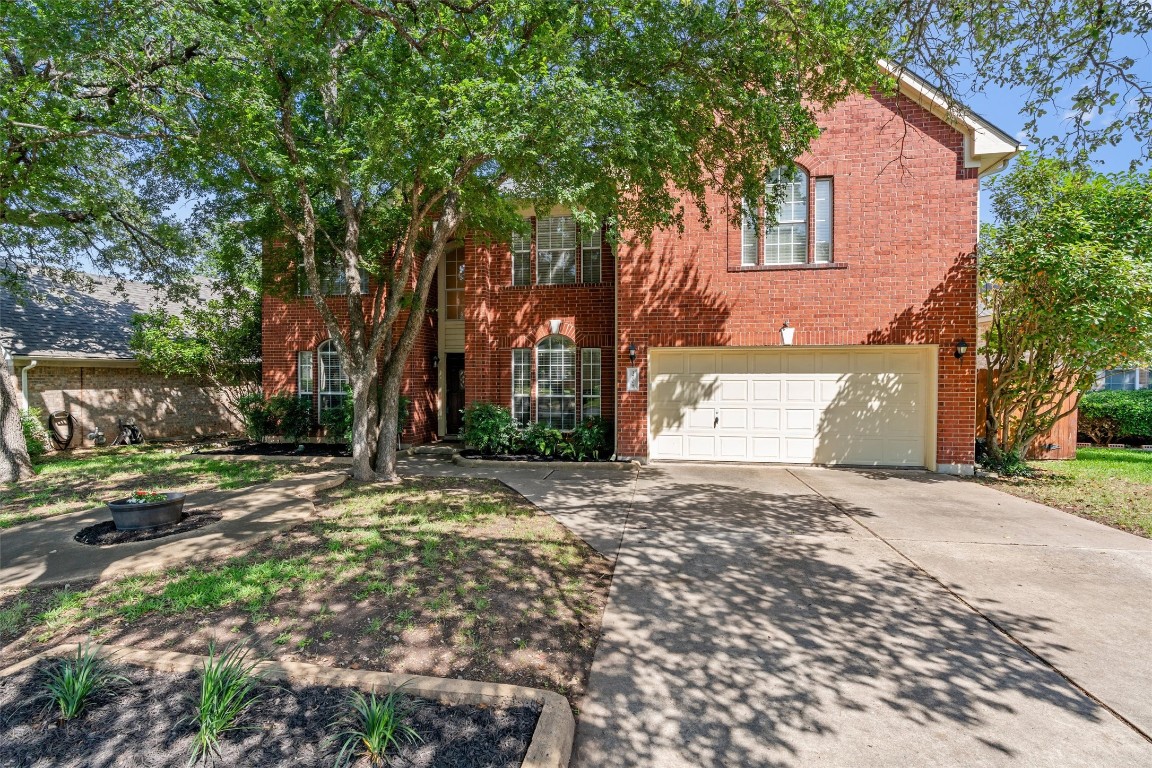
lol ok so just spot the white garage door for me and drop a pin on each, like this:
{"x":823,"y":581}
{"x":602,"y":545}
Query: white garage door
{"x":870,"y":406}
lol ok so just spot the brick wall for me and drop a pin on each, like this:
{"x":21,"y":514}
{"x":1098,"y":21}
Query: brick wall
{"x":904,"y":231}
{"x":98,"y":396}
{"x":293,"y":324}
{"x":500,"y":317}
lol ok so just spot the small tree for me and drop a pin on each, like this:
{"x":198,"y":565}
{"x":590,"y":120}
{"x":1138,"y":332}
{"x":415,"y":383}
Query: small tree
{"x":1067,"y":278}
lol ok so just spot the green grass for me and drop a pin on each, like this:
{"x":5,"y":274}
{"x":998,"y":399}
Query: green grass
{"x":1109,"y":485}
{"x":69,"y":482}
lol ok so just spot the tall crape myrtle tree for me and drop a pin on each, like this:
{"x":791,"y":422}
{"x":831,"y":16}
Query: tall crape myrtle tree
{"x":1067,"y":280}
{"x":77,"y":192}
{"x":376,"y":132}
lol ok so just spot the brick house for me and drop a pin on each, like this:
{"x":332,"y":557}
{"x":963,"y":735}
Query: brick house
{"x":68,"y":349}
{"x":831,"y":338}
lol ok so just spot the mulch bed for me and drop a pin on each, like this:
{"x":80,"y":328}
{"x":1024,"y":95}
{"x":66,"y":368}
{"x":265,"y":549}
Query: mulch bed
{"x":105,"y":534}
{"x":145,"y":723}
{"x":282,"y":449}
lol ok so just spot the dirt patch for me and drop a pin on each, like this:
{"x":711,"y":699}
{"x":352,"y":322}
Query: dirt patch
{"x":448,"y":577}
{"x":282,"y":449}
{"x":145,"y":722}
{"x":105,"y":534}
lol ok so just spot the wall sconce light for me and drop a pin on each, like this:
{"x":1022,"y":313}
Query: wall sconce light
{"x":787,"y":332}
{"x":632,"y":353}
{"x":555,"y":326}
{"x":435,"y":360}
{"x":961,"y":348}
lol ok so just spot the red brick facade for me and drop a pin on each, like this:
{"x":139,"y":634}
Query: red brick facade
{"x":903,"y":272}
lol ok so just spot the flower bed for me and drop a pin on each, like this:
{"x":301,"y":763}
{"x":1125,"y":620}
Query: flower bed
{"x":144,"y":719}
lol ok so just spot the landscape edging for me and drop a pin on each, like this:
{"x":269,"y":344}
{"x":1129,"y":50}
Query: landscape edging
{"x":551,"y":745}
{"x":468,"y":461}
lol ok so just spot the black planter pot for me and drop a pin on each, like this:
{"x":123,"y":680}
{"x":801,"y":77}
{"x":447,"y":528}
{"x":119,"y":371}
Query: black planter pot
{"x":152,"y":514}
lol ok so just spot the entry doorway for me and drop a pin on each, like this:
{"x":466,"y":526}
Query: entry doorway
{"x":454,"y":392}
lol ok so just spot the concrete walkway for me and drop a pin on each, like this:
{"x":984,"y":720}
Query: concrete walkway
{"x":768,"y":616}
{"x":44,"y":553}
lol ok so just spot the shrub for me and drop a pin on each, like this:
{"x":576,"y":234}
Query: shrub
{"x":257,"y":422}
{"x":291,"y":416}
{"x":338,"y":421}
{"x":1114,"y":414}
{"x":374,"y":726}
{"x":35,"y":435}
{"x":75,"y":682}
{"x":489,"y":428}
{"x":590,"y":438}
{"x":542,"y":439}
{"x":227,"y":691}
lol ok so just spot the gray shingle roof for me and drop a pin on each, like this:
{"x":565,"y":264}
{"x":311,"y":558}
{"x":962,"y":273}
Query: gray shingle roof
{"x":73,"y":322}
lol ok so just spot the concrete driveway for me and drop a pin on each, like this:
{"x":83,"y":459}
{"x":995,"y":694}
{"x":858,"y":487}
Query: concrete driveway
{"x":775,"y":616}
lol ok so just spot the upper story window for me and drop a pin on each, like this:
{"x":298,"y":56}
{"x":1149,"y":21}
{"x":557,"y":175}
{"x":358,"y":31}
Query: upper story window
{"x":787,"y":241}
{"x":566,"y":253}
{"x":333,"y":279}
{"x":454,"y":283}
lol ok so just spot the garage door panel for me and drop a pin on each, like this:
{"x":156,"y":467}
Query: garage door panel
{"x":858,"y":406}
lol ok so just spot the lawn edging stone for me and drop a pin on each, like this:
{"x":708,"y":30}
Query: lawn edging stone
{"x":470,"y":462}
{"x":551,"y":745}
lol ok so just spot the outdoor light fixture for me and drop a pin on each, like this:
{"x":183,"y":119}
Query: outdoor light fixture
{"x":961,"y":348}
{"x":786,"y":333}
{"x":632,"y":353}
{"x":555,"y":326}
{"x":435,"y":359}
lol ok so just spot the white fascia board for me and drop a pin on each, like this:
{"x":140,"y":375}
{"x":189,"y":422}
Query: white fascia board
{"x":985,"y":146}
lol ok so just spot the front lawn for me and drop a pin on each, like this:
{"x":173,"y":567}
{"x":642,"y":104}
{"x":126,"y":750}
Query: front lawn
{"x":1109,"y":485}
{"x":449,"y":577}
{"x":67,"y":482}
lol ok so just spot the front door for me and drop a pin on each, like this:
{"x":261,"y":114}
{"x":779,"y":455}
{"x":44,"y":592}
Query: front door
{"x":455,"y":392}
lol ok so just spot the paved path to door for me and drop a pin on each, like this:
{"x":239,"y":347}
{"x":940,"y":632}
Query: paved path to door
{"x":817,"y":617}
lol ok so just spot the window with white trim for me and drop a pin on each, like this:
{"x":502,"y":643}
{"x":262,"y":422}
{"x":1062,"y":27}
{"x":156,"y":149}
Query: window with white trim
{"x":522,"y":386}
{"x":556,"y":382}
{"x":304,"y":380}
{"x":521,"y":259}
{"x":454,"y":283}
{"x":787,"y":241}
{"x":590,"y":247}
{"x":333,"y":279}
{"x":822,"y":221}
{"x":589,"y":382}
{"x":333,"y":382}
{"x":556,"y":250}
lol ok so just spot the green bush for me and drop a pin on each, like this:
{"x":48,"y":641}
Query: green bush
{"x":257,"y":424}
{"x":291,"y":415}
{"x":338,"y":421}
{"x":590,"y":439}
{"x":281,"y":415}
{"x":1112,"y":415}
{"x":489,"y":428}
{"x":35,"y":435}
{"x":542,"y":440}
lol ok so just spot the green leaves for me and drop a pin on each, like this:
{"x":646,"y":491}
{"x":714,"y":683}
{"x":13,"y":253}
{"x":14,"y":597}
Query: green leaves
{"x":1067,"y":276}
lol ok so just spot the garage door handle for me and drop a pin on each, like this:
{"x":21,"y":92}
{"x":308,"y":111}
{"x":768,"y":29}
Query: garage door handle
{"x":715,"y":418}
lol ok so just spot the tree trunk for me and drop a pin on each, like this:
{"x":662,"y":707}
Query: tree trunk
{"x":361,"y":427}
{"x":14,"y":462}
{"x":389,"y":435}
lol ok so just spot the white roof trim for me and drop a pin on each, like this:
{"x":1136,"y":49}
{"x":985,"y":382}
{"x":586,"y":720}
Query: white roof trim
{"x":986,"y":146}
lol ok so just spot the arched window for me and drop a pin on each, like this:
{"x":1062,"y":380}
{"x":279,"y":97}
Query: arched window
{"x":556,"y":382}
{"x":333,"y":382}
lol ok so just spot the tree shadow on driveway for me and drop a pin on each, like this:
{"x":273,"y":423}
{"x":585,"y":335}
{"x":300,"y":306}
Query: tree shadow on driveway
{"x":753,"y":623}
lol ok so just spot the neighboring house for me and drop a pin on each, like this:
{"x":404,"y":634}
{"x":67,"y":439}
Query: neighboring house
{"x":1124,"y":378}
{"x":69,"y":349}
{"x":678,"y":341}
